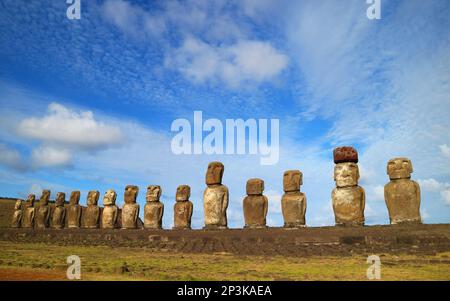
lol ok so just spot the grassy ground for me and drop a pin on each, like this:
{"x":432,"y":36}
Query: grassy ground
{"x":44,"y":262}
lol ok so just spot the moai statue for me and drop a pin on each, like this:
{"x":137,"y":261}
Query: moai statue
{"x":348,"y":198}
{"x":402,"y":195}
{"x":59,"y":212}
{"x":91,"y":216}
{"x":17,"y":215}
{"x":44,"y":210}
{"x":154,"y":209}
{"x":182,"y":210}
{"x":29,"y":212}
{"x":130,"y":210}
{"x":293,"y":202}
{"x":74,"y":211}
{"x":255,"y":204}
{"x":110,"y":211}
{"x":215,"y":198}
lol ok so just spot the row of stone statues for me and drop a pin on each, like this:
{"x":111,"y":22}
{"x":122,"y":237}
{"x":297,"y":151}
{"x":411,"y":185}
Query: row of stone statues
{"x":402,"y":196}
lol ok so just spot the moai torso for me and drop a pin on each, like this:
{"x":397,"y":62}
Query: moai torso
{"x":130,"y":210}
{"x":293,"y":202}
{"x":154,"y":209}
{"x":74,"y":211}
{"x":348,"y":205}
{"x":255,"y":204}
{"x":43,"y":212}
{"x":110,"y":211}
{"x":215,"y":197}
{"x":348,"y":198}
{"x":17,"y":215}
{"x":402,"y":195}
{"x":59,"y":213}
{"x":182,"y":210}
{"x":29,"y":212}
{"x":91,"y":216}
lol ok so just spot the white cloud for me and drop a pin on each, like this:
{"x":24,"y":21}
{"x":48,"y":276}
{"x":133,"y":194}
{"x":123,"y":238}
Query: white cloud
{"x":445,"y":194}
{"x":11,"y":157}
{"x":132,"y":19}
{"x":378,"y":193}
{"x":65,"y":127}
{"x":245,"y":61}
{"x":445,"y":150}
{"x":432,"y":185}
{"x":50,"y":157}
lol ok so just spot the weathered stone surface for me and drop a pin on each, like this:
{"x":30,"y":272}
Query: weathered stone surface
{"x":183,"y":193}
{"x":74,"y":211}
{"x":345,"y":154}
{"x":215,"y":204}
{"x":130,"y":210}
{"x":110,"y":211}
{"x":346,"y":174}
{"x":348,"y":198}
{"x":292,"y":179}
{"x":17,"y":215}
{"x":255,"y":211}
{"x":293,"y":207}
{"x":402,"y":195}
{"x":59,"y":212}
{"x":348,"y":205}
{"x":154,"y":209}
{"x":183,"y":208}
{"x":91,"y":216}
{"x":214,"y":173}
{"x":215,"y":198}
{"x":255,"y":187}
{"x":29,"y":212}
{"x":43,"y":212}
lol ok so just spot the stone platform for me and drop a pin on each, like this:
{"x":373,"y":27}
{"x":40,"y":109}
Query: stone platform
{"x":311,"y":241}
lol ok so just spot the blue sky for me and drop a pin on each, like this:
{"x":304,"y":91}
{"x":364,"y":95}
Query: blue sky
{"x":88,"y":104}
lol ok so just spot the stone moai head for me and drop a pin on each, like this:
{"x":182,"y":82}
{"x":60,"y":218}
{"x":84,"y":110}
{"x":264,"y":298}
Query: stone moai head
{"x":18,"y":205}
{"x":44,"y":197}
{"x":292,"y":179}
{"x":346,"y":174}
{"x":255,"y":187}
{"x":92,"y":198}
{"x":399,"y":168}
{"x":30,"y":200}
{"x":60,"y":199}
{"x":183,"y":193}
{"x":131,"y":193}
{"x":214,"y":173}
{"x":74,"y":198}
{"x":110,"y":198}
{"x":345,"y":154}
{"x":153,"y":193}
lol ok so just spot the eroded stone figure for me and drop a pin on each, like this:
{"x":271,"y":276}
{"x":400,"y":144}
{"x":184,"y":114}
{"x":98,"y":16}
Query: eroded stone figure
{"x":402,"y":195}
{"x":348,"y":198}
{"x":110,"y":211}
{"x":17,"y":215}
{"x":29,"y":212}
{"x":215,"y":198}
{"x":74,"y":211}
{"x":293,"y":202}
{"x":91,"y":216}
{"x":130,"y":210}
{"x":44,"y":210}
{"x":154,"y":209}
{"x":255,"y":204}
{"x":59,"y":212}
{"x":182,"y":210}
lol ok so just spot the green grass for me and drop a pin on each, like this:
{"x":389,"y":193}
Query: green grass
{"x":106,"y":263}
